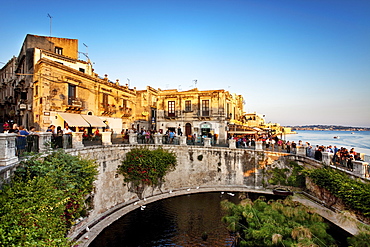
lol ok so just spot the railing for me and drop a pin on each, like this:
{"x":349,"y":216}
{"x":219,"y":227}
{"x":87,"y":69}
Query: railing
{"x":74,"y":102}
{"x":171,"y":114}
{"x":127,"y":112}
{"x":38,"y":144}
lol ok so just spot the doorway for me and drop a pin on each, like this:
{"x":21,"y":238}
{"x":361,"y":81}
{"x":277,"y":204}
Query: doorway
{"x":188,"y":129}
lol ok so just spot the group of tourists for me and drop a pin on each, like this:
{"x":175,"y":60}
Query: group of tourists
{"x":86,"y":136}
{"x":61,"y":138}
{"x":147,"y":136}
{"x":143,"y":136}
{"x":341,"y":156}
{"x":26,"y":141}
{"x":169,"y":137}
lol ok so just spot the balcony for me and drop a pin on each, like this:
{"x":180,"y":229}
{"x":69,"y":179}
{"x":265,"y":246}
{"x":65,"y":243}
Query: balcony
{"x":204,"y":115}
{"x":74,"y":105}
{"x":107,"y":109}
{"x":126,"y":112}
{"x":172,"y":114}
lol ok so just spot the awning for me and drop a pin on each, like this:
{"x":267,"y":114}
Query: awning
{"x":74,"y":120}
{"x":243,"y":132}
{"x":171,"y":125}
{"x":94,"y":121}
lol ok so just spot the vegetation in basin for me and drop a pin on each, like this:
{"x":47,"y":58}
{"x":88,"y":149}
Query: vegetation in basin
{"x":276,"y":223}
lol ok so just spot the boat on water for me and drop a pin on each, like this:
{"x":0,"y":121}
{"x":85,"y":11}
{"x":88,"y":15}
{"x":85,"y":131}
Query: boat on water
{"x":282,"y":192}
{"x":336,"y":137}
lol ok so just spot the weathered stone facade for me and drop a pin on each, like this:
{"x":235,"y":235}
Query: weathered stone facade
{"x":199,"y":112}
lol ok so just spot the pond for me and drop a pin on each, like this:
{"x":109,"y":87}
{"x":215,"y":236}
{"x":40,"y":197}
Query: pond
{"x":178,"y":221}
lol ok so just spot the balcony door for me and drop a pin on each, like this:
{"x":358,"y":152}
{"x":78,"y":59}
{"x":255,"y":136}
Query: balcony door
{"x":205,"y":108}
{"x":171,"y":109}
{"x":71,"y":93}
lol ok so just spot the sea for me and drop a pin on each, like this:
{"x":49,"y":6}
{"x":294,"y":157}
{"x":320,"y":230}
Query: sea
{"x":359,"y":140}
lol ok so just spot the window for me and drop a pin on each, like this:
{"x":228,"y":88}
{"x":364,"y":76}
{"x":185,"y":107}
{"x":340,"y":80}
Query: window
{"x":58,"y":50}
{"x":205,"y":107}
{"x":71,"y":93}
{"x":24,"y":95}
{"x":124,"y":103}
{"x":105,"y":100}
{"x":82,"y":70}
{"x":171,"y":108}
{"x":187,"y":105}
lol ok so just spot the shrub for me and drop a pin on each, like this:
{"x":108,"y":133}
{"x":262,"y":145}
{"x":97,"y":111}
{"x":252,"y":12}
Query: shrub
{"x":44,"y":197}
{"x":355,"y":194}
{"x":144,"y":166}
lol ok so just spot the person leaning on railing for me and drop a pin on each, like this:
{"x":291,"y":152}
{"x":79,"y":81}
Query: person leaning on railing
{"x":32,"y":140}
{"x":21,"y":140}
{"x":67,"y":137}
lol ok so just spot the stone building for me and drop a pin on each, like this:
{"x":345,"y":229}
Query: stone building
{"x":56,"y":87}
{"x":48,"y":84}
{"x":9,"y":94}
{"x":146,"y":109}
{"x":199,"y":112}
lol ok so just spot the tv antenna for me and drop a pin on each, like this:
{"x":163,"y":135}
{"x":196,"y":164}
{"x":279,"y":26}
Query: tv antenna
{"x":195,"y":83}
{"x":51,"y":21}
{"x":87,"y":49}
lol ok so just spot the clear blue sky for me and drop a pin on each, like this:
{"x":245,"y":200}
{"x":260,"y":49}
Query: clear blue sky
{"x":297,"y":62}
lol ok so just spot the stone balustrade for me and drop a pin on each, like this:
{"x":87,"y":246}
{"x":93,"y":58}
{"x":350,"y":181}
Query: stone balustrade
{"x":158,"y":139}
{"x":207,"y":142}
{"x":259,"y":146}
{"x":106,"y":138}
{"x":232,"y":143}
{"x":182,"y":141}
{"x":301,"y":150}
{"x":132,"y":138}
{"x":44,"y":141}
{"x":7,"y":149}
{"x":77,"y":140}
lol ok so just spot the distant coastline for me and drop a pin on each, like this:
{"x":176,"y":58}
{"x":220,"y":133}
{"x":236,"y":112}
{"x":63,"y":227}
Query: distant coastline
{"x":328,"y":127}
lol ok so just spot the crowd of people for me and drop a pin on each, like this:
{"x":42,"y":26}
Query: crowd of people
{"x":26,"y":141}
{"x":169,"y":137}
{"x":341,"y":156}
{"x":147,"y":136}
{"x":62,"y":138}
